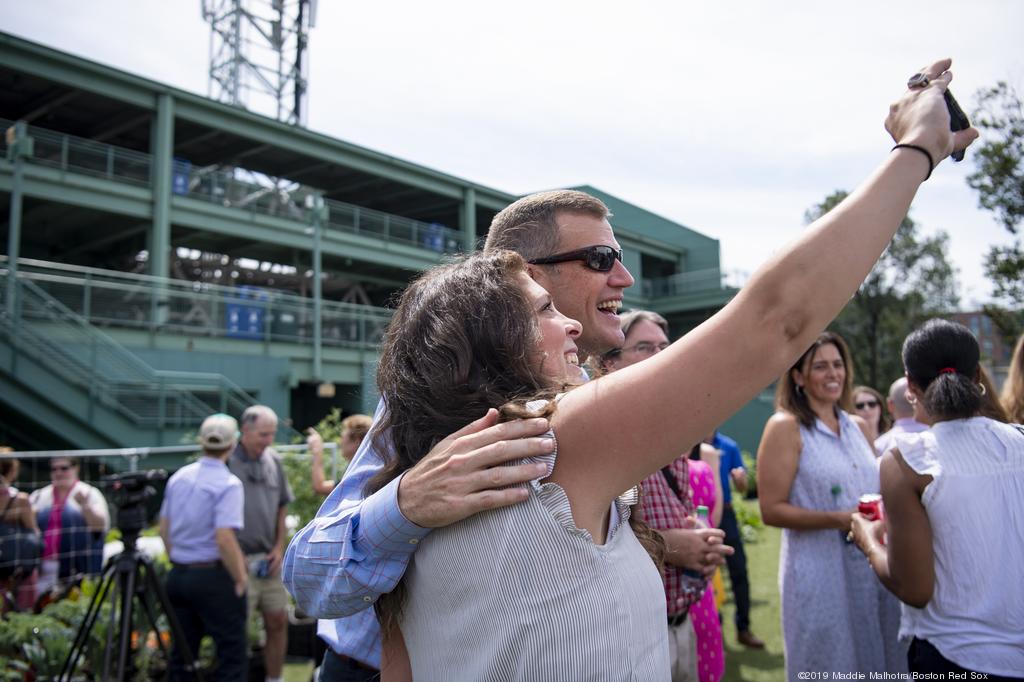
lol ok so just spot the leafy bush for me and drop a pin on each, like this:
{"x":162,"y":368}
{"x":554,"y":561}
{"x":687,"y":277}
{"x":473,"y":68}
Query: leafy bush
{"x":39,"y":644}
{"x":297,"y":468}
{"x":750,"y":463}
{"x":748,"y":516}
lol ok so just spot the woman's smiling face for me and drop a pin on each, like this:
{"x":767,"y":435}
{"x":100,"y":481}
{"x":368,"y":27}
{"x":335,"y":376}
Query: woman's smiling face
{"x":560,"y":360}
{"x":824,"y":376}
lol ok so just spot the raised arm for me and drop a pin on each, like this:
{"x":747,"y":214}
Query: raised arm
{"x":23,"y":512}
{"x":315,"y":443}
{"x":681,"y":394}
{"x":358,"y":548}
{"x":94,"y":509}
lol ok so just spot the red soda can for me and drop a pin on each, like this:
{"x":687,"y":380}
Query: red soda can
{"x":870,"y":505}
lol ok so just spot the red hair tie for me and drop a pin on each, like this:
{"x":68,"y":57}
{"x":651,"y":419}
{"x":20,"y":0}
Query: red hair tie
{"x":947,"y":370}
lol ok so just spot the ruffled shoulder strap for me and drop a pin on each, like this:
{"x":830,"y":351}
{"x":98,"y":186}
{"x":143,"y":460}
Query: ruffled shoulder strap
{"x":919,"y":452}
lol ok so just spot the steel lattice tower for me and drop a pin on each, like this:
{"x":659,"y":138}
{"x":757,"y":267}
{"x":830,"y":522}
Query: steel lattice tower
{"x":258,"y":55}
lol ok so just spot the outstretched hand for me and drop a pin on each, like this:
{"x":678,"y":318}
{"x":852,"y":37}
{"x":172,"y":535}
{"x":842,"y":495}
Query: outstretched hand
{"x":465,"y":474}
{"x":920,"y":116}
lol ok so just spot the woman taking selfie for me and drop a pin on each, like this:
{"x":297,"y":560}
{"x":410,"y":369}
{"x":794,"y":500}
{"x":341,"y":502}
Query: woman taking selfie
{"x":559,"y":582}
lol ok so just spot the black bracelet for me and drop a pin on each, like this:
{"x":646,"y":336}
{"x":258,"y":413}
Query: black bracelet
{"x":931,"y":162}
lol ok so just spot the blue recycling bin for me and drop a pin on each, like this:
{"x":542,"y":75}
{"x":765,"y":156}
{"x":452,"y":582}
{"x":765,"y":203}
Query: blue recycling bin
{"x":433,"y":237}
{"x":181,"y":169}
{"x":244,"y":316}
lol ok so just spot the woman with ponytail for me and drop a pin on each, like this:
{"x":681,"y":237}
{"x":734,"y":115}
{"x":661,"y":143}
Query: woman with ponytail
{"x":953,"y":517}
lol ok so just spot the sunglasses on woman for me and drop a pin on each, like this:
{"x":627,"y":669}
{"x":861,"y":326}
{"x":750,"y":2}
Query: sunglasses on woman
{"x":866,"y":403}
{"x":600,"y":258}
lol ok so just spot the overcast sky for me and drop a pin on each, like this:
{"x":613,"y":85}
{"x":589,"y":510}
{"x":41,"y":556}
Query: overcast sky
{"x":731,"y":118}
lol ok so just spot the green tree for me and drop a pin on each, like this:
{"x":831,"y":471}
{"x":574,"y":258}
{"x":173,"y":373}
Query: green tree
{"x":999,"y":180}
{"x":297,"y":468}
{"x":911,"y":282}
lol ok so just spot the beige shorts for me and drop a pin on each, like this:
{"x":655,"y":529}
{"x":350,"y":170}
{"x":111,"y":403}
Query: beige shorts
{"x":265,"y":594}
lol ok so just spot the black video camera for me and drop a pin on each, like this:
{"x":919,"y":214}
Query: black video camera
{"x":129,"y":492}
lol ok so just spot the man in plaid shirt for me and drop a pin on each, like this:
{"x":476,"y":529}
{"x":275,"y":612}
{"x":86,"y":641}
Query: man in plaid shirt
{"x":692,"y":554}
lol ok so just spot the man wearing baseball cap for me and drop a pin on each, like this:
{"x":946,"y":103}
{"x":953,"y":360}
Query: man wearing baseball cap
{"x":199,"y":518}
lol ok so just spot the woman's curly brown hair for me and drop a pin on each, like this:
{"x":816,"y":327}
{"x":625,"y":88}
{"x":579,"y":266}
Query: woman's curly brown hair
{"x":464,"y":339}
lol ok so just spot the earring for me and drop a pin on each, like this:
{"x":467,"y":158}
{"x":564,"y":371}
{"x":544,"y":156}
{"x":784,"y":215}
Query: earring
{"x":981,"y":387}
{"x":911,"y":398}
{"x":799,"y":389}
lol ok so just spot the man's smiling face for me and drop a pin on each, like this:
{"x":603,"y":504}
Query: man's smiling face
{"x":581,"y":293}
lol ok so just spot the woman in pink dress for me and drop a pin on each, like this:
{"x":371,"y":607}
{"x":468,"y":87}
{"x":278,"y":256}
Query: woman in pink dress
{"x":705,"y":488}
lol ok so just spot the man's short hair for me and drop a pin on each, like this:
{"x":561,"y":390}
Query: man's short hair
{"x":254,"y":413}
{"x":901,"y":407}
{"x":529,"y":226}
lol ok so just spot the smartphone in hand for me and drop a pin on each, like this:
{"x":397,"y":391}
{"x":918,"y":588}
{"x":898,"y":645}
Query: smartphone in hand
{"x":957,"y":120}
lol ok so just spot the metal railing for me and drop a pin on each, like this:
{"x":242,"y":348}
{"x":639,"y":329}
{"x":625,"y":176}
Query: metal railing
{"x":693,"y":282}
{"x":109,"y":298}
{"x":366,"y":221}
{"x":63,"y":341}
{"x":225,"y":188}
{"x":279,"y":198}
{"x":80,"y":155}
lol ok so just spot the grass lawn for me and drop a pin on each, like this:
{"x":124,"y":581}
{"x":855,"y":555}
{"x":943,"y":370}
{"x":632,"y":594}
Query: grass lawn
{"x":749,"y":665}
{"x":754,"y":665}
{"x":298,"y":672}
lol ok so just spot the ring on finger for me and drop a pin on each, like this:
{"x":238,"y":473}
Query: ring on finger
{"x":918,"y":81}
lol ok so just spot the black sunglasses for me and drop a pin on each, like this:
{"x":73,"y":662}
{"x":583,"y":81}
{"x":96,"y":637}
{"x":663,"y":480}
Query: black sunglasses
{"x":601,"y":258}
{"x":867,"y":403}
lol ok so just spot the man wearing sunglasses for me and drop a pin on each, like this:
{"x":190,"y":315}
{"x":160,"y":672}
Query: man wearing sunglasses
{"x":357,"y":549}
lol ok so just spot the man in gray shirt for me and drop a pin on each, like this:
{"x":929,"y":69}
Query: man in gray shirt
{"x":267,"y":495}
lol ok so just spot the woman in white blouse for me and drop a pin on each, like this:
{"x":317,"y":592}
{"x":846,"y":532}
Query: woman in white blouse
{"x":954,"y":518}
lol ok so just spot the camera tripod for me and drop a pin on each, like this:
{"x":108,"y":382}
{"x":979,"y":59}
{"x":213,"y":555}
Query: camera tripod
{"x":131,"y":577}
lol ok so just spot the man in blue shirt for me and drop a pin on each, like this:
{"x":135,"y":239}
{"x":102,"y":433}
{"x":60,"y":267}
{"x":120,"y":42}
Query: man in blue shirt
{"x":357,"y":549}
{"x":199,"y":518}
{"x":731,"y":469}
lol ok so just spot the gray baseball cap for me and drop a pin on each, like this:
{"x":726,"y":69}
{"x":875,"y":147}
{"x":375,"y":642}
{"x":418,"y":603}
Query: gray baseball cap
{"x":218,"y":432}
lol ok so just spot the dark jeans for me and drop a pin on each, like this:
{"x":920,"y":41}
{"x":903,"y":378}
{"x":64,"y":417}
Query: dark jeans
{"x":737,"y":564}
{"x":205,"y":603}
{"x":925,"y":658}
{"x":337,"y":668}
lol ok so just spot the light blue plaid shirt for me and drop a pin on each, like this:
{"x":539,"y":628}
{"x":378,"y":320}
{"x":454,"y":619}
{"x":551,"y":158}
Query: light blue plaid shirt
{"x":355,"y":550}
